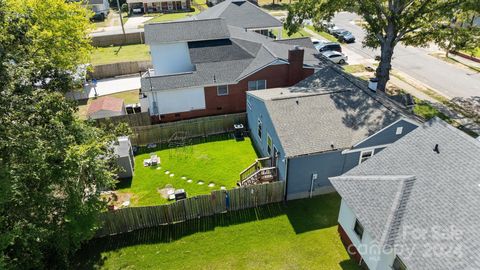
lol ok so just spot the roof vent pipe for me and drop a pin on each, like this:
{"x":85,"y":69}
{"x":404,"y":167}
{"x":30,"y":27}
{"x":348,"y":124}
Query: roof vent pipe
{"x":436,"y":150}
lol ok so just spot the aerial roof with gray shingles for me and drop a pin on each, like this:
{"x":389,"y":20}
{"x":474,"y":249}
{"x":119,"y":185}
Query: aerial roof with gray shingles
{"x":241,"y":14}
{"x":227,"y":61}
{"x":328,"y":109}
{"x":189,"y":30}
{"x":443,"y":196}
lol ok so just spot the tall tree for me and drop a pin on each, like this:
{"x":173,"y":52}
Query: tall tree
{"x":388,"y":22}
{"x":52,"y":165}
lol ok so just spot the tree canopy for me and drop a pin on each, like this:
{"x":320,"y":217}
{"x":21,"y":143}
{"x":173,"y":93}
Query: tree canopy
{"x":52,"y":165}
{"x":412,"y":22}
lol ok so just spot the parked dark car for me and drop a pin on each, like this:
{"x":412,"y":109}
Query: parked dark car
{"x":346,"y":36}
{"x":329,"y":46}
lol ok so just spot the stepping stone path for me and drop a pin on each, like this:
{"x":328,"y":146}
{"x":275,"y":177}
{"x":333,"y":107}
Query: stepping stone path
{"x":172,"y":175}
{"x":211,"y":185}
{"x":159,"y":168}
{"x":189,"y":181}
{"x":223,"y":188}
{"x":200,"y":182}
{"x":184,"y":178}
{"x":167,"y":172}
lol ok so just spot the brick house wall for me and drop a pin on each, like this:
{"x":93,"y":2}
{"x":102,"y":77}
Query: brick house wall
{"x":281,"y":75}
{"x":235,"y":101}
{"x":347,"y":243}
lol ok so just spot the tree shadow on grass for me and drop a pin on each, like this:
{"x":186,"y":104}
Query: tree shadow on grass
{"x":349,"y":265}
{"x":90,"y":255}
{"x":313,"y":214}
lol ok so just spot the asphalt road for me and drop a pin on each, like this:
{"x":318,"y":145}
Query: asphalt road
{"x":446,"y":78}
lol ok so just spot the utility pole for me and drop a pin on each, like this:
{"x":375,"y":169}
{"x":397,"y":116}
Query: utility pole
{"x":121,"y":22}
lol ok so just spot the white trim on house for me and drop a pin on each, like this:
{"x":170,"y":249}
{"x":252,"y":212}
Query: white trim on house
{"x":360,"y":159}
{"x":385,"y":128}
{"x":225,"y":94}
{"x":348,"y":151}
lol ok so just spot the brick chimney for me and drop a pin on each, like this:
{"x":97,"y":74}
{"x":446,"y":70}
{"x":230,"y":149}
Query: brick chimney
{"x":295,"y":68}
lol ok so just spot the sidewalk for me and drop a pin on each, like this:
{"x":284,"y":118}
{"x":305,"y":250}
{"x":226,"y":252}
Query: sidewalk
{"x":464,"y":61}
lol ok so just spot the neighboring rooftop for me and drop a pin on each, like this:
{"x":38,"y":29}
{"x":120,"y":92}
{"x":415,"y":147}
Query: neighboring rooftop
{"x":328,"y":108}
{"x":410,"y":186}
{"x":187,"y":30}
{"x":105,"y":104}
{"x":228,"y":60}
{"x":240,"y":13}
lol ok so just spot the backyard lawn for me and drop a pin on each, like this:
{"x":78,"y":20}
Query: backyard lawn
{"x":116,"y":54}
{"x":160,"y":17}
{"x":219,"y":162}
{"x":301,"y":235}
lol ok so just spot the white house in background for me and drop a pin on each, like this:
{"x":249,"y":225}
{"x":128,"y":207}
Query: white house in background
{"x":125,"y":159}
{"x":105,"y":107}
{"x":100,"y":7}
{"x":416,"y":204}
{"x":244,"y":14}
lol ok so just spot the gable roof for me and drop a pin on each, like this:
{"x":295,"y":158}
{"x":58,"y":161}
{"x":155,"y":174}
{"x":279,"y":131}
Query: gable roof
{"x":105,"y":104}
{"x":444,"y":194}
{"x":240,"y":13}
{"x":187,"y":30}
{"x":328,"y":109}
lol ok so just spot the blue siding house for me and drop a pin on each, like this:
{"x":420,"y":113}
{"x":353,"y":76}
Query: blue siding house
{"x":320,"y":128}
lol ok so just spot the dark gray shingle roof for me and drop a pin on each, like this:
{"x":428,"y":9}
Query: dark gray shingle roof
{"x":189,"y":30}
{"x":444,"y":195}
{"x":230,"y":60}
{"x":328,"y":109}
{"x":241,"y":14}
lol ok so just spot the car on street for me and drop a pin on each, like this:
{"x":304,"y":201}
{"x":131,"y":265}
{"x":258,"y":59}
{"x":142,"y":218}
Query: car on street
{"x":336,"y":57}
{"x":328,"y":46}
{"x":336,"y":32}
{"x":346,"y":36}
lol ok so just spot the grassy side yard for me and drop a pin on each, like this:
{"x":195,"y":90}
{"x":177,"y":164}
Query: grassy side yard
{"x":160,"y":17}
{"x":325,"y":35}
{"x":116,"y":54}
{"x":301,"y":235}
{"x":299,"y":34}
{"x":427,"y":111}
{"x":128,"y":97}
{"x":219,"y":162}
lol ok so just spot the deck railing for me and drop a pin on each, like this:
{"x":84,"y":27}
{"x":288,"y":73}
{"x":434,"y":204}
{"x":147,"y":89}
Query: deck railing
{"x":260,"y":171}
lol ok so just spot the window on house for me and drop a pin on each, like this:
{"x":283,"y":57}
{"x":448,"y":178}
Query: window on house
{"x":364,"y":155}
{"x":222,"y":90}
{"x":257,"y":85}
{"x":398,"y":264}
{"x":358,"y":229}
{"x":269,"y":144}
{"x":259,"y":128}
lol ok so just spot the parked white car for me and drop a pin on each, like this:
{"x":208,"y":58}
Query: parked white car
{"x":316,"y":41}
{"x":336,"y":57}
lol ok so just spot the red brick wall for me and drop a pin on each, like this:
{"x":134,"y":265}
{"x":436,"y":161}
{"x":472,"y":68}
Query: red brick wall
{"x":235,"y":101}
{"x":352,"y":251}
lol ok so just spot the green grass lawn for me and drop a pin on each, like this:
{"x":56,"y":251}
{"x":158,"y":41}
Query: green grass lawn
{"x":299,"y":34}
{"x":475,"y":52}
{"x":354,"y":68}
{"x":160,"y":17}
{"x":301,"y":235}
{"x":325,"y":35}
{"x":219,"y":161}
{"x":116,"y":54}
{"x":427,"y":111}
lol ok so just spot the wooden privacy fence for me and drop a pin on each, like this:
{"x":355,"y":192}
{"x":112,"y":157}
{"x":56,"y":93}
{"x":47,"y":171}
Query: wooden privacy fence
{"x":199,"y":127}
{"x":119,"y":69}
{"x":133,"y":120}
{"x":118,"y":39}
{"x":220,"y":201}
